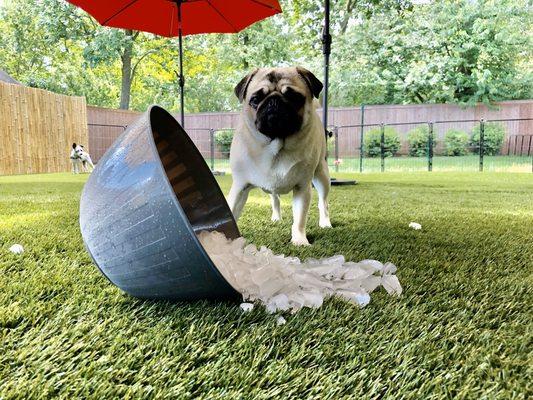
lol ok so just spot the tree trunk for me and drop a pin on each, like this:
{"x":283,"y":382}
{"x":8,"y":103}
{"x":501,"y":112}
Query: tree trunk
{"x":245,"y":40}
{"x":125,"y":89}
{"x":348,"y":13}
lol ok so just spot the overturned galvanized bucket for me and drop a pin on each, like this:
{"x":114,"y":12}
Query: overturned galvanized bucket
{"x":142,"y":206}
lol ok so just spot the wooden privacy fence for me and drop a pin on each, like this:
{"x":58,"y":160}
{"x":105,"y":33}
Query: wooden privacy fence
{"x":37,"y":129}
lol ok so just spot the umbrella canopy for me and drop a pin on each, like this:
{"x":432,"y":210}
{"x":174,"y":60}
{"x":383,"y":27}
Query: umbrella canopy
{"x":161,"y":16}
{"x":179,"y":17}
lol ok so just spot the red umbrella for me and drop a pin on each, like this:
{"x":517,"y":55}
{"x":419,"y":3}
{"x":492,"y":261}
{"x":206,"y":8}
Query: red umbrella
{"x":179,"y":17}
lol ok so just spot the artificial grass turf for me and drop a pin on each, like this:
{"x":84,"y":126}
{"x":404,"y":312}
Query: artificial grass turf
{"x":462,"y":328}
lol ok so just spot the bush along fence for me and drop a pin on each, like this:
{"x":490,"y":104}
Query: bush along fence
{"x":452,"y":145}
{"x":447,"y":145}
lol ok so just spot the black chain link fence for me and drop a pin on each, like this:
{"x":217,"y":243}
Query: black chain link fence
{"x":503,"y":145}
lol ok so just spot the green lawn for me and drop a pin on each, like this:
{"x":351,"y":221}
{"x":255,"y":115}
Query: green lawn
{"x":469,"y":163}
{"x":462,"y":328}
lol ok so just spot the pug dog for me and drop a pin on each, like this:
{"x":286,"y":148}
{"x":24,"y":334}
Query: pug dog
{"x":279,"y":144}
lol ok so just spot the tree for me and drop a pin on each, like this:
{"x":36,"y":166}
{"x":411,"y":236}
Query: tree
{"x":450,"y":51}
{"x":384,"y":51}
{"x":103,"y":45}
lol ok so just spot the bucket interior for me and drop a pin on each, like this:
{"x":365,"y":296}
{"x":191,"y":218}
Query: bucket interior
{"x":194,"y":185}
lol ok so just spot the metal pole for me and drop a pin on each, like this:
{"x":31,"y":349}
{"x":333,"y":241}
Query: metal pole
{"x":430,"y":146}
{"x":181,"y":78}
{"x":361,"y":138}
{"x":336,"y":133}
{"x":212,"y":147}
{"x":481,"y":143}
{"x":326,"y":49}
{"x":382,"y":148}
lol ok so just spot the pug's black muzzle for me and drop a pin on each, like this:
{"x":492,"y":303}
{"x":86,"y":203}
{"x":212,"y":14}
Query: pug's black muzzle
{"x":277,"y":118}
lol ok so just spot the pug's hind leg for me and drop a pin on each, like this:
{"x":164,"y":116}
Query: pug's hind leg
{"x":322,"y":184}
{"x":238,"y":195}
{"x":276,"y":208}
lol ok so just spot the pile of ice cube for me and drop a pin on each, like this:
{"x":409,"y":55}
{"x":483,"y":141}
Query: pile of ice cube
{"x":286,"y":283}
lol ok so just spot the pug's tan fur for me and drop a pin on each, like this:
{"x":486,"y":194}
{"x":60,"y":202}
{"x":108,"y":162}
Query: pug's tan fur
{"x":279,"y":165}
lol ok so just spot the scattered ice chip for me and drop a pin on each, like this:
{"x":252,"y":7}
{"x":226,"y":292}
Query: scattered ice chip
{"x":415,"y":225}
{"x":391,"y":284}
{"x":280,"y":321}
{"x":17,"y":249}
{"x":247,"y":307}
{"x":389,"y":269}
{"x":288,"y":284}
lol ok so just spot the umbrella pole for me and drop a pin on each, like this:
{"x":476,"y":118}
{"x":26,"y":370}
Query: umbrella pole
{"x":181,"y":78}
{"x":326,"y":49}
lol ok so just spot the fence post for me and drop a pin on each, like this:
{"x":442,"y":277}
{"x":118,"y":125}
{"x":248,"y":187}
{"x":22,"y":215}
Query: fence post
{"x":361,"y":138}
{"x":212,"y":147}
{"x":430,"y":146}
{"x":481,"y":143}
{"x":382,"y":147}
{"x":336,"y":136}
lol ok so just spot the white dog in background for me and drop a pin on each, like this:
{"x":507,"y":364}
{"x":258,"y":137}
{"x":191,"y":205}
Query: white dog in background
{"x":80,"y":158}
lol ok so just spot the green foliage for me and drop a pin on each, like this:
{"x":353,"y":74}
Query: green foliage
{"x":455,"y":143}
{"x":372,"y":142}
{"x":392,"y":51}
{"x":494,"y":135}
{"x":418,"y":139}
{"x":223,"y":139}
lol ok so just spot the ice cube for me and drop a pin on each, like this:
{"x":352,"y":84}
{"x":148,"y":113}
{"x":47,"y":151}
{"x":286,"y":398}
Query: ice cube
{"x":296,"y":300}
{"x":371,"y":265}
{"x":313,"y":300}
{"x":261,"y":275}
{"x":270,"y":287}
{"x":271,"y":307}
{"x":415,"y":225}
{"x":371,"y":283}
{"x":247,"y":307}
{"x":391,"y":284}
{"x":281,"y":301}
{"x":389,"y":268}
{"x":16,"y":249}
{"x":335,"y":260}
{"x":359,"y":297}
{"x":324,"y":269}
{"x":362,"y":299}
{"x":356,"y":273}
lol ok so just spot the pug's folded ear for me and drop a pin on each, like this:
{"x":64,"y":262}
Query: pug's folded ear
{"x":315,"y":86}
{"x":242,"y":86}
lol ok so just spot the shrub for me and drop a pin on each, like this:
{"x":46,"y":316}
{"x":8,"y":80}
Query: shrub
{"x":455,"y":143}
{"x":493,"y":138}
{"x":223,"y":139}
{"x":372,"y":142}
{"x":418,"y":141}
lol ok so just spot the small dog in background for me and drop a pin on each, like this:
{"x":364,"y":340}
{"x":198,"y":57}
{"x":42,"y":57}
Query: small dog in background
{"x":80,"y":158}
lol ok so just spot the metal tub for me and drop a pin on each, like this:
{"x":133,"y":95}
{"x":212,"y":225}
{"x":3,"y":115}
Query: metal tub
{"x":142,"y":206}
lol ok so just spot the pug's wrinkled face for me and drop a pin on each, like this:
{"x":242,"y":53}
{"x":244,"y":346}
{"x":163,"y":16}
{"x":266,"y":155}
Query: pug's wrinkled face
{"x":277,"y":99}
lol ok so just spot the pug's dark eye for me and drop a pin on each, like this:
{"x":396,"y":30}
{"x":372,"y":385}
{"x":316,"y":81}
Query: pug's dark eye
{"x":256,"y":99}
{"x":295,"y":98}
